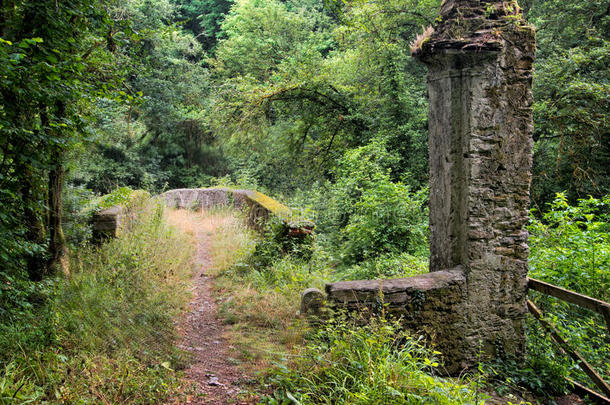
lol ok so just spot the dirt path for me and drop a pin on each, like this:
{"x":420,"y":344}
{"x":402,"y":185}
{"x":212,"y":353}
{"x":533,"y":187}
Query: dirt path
{"x":216,"y":380}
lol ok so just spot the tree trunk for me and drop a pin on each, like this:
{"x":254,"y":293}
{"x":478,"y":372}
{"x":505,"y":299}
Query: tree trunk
{"x":57,"y":242}
{"x":35,"y":234}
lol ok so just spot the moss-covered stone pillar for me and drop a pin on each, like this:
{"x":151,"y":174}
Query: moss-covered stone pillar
{"x":480,"y":57}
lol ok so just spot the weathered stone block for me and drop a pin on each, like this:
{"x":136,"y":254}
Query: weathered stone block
{"x":312,"y":301}
{"x":107,"y":222}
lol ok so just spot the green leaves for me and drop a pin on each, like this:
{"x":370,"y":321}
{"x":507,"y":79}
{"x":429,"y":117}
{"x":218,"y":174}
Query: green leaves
{"x":572,"y":99}
{"x":570,"y":247}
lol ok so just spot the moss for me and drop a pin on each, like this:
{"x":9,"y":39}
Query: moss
{"x":272,"y":205}
{"x":281,"y":211}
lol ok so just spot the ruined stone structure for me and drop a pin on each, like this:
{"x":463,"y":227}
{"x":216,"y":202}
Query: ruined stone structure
{"x":259,"y":206}
{"x":107,"y":223}
{"x":480,"y":58}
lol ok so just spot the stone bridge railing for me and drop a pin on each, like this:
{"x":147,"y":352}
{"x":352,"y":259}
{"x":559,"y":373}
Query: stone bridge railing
{"x":258,"y":206}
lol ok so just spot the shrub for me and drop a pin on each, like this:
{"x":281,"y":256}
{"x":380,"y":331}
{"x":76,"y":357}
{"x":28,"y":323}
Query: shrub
{"x":278,"y":242}
{"x":364,"y":214}
{"x":387,"y":219}
{"x":389,"y":265}
{"x":570,"y":247}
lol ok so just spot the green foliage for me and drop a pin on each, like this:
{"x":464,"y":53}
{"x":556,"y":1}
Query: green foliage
{"x":386,"y":266}
{"x":572,"y":101}
{"x":344,"y":361}
{"x":387,"y":219}
{"x":288,"y":109}
{"x":77,"y":220}
{"x":542,"y":373}
{"x":363,"y":214}
{"x":278,"y":242}
{"x":376,"y":363}
{"x":123,"y":196}
{"x":570,"y":247}
{"x":203,"y":19}
{"x":153,"y":132}
{"x":49,"y":61}
{"x":284,"y":96}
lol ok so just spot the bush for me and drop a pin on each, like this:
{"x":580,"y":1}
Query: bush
{"x":388,"y":219}
{"x":277,"y":242}
{"x":363,"y":214}
{"x":386,"y":266}
{"x":570,"y":247}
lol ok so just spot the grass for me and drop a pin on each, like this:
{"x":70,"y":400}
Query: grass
{"x":261,"y":317}
{"x":339,"y":362}
{"x":104,"y":334}
{"x":371,"y":363}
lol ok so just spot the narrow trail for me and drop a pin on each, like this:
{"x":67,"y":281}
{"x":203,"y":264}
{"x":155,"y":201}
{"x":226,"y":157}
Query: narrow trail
{"x":216,"y":380}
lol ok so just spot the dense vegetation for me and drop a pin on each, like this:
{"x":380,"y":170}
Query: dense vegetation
{"x":318,"y":103}
{"x":106,"y":334}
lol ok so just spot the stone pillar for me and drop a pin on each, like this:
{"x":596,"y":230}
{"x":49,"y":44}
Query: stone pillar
{"x":480,"y":58}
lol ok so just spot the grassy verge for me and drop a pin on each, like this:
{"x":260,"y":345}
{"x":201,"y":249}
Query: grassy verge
{"x":339,"y":362}
{"x":105,"y":334}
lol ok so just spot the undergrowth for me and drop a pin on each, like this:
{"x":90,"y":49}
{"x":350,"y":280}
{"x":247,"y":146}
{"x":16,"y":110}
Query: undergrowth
{"x":570,"y":248}
{"x":105,"y":333}
{"x":260,"y":282}
{"x":374,"y":363}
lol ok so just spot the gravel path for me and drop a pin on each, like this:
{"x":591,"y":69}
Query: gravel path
{"x":217,"y":381}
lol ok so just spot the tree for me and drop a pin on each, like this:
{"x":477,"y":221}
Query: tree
{"x":203,"y":19}
{"x":296,"y":90}
{"x":153,"y":133}
{"x":572,"y":99}
{"x":49,"y":54}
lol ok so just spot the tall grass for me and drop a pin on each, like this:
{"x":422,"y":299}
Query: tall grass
{"x":339,"y":362}
{"x":108,"y":328}
{"x":374,"y":363}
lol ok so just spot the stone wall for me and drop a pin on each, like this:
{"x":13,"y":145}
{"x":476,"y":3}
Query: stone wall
{"x":107,"y":222}
{"x":429,"y":305}
{"x":259,"y":206}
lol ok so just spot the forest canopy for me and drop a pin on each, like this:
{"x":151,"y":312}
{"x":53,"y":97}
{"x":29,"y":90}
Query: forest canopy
{"x":161,"y":94}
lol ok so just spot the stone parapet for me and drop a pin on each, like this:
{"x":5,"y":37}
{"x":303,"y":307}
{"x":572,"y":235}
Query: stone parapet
{"x":259,"y":206}
{"x":430,"y":304}
{"x":107,"y":222}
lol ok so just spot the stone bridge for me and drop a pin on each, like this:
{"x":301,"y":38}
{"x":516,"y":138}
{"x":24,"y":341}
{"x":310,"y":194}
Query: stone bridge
{"x":259,"y":208}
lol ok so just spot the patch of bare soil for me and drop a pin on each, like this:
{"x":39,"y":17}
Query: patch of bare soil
{"x":216,"y":381}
